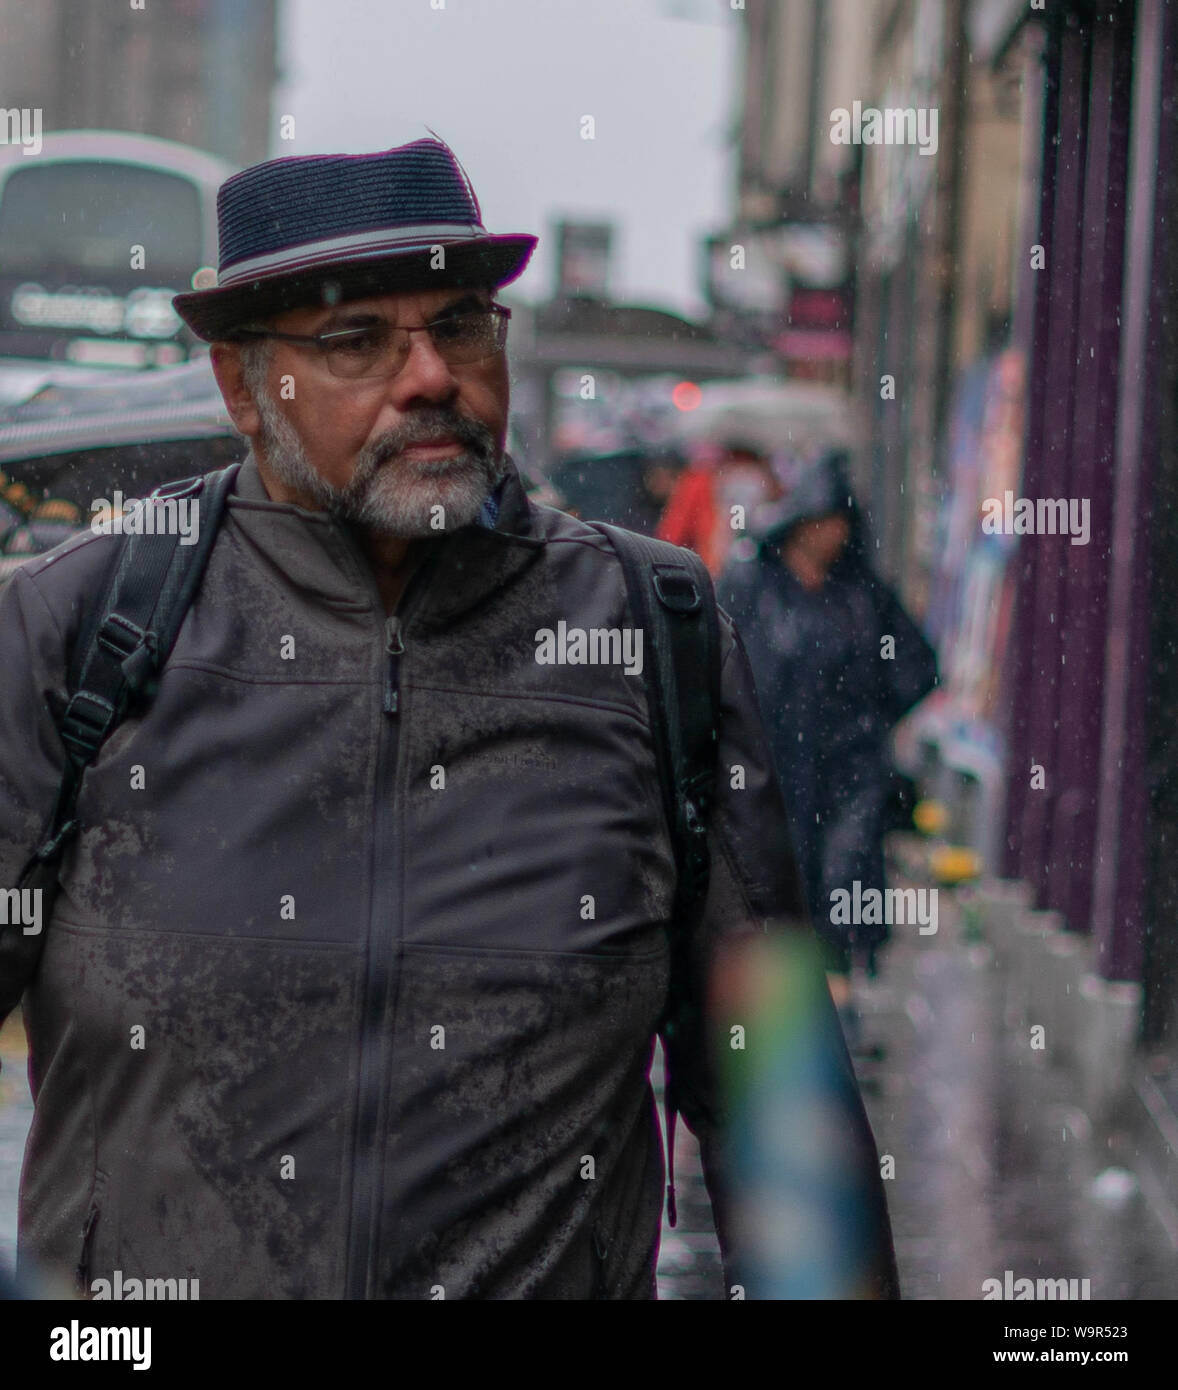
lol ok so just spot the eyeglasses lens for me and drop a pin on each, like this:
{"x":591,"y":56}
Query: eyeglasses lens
{"x":383,"y":349}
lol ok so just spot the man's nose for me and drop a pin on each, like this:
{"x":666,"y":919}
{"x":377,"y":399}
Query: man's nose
{"x":425,"y":375}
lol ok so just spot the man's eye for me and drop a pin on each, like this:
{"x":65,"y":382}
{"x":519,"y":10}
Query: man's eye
{"x":455,"y":330}
{"x":361,"y":343}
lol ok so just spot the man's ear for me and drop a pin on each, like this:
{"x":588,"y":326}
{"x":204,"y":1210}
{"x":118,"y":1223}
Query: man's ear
{"x":230,"y":373}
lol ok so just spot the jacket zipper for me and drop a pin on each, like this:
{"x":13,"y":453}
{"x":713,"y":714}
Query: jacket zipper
{"x":394,"y":646}
{"x":82,"y":1273}
{"x":601,"y":1254}
{"x":383,"y":952}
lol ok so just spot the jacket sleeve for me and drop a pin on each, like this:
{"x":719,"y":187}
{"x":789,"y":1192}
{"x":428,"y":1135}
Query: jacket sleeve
{"x":755,"y":890}
{"x":912,"y":672}
{"x":31,"y":762}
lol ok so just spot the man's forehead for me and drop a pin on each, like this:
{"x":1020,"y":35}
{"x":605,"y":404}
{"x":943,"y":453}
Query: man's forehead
{"x":402,"y":307}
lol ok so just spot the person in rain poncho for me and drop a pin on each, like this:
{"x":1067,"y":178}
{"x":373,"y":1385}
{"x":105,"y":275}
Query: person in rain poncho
{"x":815,"y":618}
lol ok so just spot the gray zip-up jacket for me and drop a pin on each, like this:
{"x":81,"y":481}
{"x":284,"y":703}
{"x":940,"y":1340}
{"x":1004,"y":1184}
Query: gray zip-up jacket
{"x":361,"y":947}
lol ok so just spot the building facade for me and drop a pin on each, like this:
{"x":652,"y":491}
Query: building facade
{"x":1015,"y":337}
{"x":200,"y":72}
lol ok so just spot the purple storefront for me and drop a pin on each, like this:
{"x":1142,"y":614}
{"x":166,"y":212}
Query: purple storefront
{"x":1089,"y":682}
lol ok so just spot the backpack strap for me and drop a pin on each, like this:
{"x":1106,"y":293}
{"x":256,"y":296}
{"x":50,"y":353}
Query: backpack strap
{"x":671,"y":595}
{"x":124,"y":640}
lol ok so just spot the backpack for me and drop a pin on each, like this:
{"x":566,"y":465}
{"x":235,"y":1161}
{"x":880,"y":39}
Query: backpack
{"x":128,"y":632}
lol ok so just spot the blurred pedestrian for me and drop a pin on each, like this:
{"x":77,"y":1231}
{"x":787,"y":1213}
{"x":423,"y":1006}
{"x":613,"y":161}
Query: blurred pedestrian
{"x":815,"y":618}
{"x":715,"y":499}
{"x":628,"y":487}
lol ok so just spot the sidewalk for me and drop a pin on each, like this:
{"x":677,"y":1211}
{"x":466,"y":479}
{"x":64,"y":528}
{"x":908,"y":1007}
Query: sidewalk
{"x":689,"y":1256}
{"x":996,"y":1164}
{"x":996,"y":1167}
{"x":16,"y":1114}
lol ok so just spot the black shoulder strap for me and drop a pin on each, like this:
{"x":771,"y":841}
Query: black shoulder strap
{"x":124,"y":640}
{"x":671,"y":595}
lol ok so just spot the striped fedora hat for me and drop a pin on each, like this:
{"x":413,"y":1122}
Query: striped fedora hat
{"x":321,"y":229}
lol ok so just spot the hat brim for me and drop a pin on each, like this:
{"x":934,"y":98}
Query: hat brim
{"x":491,"y":261}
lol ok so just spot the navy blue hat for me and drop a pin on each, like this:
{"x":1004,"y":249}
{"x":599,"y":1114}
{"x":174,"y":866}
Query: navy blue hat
{"x":322,"y":229}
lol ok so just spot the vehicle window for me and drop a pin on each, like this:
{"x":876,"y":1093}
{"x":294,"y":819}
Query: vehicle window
{"x":72,"y":217}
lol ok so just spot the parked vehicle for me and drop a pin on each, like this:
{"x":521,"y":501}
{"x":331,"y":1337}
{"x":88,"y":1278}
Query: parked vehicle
{"x":71,"y":442}
{"x":98,"y":233}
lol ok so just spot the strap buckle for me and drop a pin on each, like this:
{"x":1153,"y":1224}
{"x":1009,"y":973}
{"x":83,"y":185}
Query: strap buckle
{"x":135,"y":649}
{"x":85,"y":723}
{"x":186,"y":487}
{"x":677,"y":589}
{"x":51,"y":849}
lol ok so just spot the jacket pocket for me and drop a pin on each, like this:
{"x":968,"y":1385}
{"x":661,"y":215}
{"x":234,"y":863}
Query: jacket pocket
{"x":89,"y":1230}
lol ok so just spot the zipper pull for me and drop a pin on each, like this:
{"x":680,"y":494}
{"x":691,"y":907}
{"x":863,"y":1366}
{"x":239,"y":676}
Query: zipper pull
{"x":394,"y":646}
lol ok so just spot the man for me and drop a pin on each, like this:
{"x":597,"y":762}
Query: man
{"x":351,"y":987}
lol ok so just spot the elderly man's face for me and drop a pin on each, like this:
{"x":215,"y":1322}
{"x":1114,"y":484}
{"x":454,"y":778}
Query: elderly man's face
{"x":384,"y":452}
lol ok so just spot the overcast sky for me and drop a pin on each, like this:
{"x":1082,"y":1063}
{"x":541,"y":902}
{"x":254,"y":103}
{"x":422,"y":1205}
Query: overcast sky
{"x":506,"y":83}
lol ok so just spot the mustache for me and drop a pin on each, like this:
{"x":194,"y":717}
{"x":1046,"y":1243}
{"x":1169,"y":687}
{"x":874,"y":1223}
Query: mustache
{"x":429,"y":427}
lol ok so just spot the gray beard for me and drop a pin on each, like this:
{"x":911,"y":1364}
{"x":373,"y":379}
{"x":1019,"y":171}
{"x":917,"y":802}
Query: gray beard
{"x":403,"y":497}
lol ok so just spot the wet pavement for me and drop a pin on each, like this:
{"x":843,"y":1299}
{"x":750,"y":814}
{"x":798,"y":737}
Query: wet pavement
{"x":996,"y":1167}
{"x":689,"y":1255}
{"x":16,"y":1114}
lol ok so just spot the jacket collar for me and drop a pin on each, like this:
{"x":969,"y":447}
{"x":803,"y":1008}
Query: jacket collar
{"x":322,"y":555}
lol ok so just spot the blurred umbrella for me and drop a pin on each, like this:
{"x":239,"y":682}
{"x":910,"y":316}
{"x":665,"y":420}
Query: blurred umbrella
{"x":776,"y":415}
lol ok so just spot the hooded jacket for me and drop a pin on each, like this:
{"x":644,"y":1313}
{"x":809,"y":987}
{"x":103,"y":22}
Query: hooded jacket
{"x":361,"y":948}
{"x":831,"y":687}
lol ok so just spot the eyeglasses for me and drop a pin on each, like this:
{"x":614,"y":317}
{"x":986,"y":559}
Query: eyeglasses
{"x":381,"y":349}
